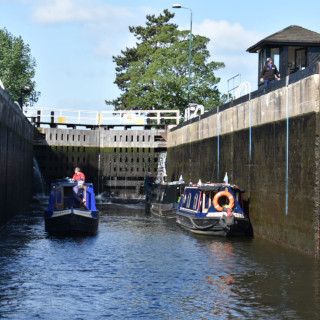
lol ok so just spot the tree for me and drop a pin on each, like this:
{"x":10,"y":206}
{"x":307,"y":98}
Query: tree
{"x":154,"y":75}
{"x":17,"y":67}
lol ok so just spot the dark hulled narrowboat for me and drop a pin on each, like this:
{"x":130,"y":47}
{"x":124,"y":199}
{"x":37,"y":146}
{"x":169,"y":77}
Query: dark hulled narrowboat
{"x":164,"y":199}
{"x":65,"y":215}
{"x":213,"y":209}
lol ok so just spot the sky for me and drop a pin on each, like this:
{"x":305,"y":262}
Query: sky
{"x":73,"y":41}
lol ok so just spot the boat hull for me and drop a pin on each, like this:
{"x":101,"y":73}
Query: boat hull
{"x":72,"y":221}
{"x":164,"y":199}
{"x":216,"y":226}
{"x":166,"y":210}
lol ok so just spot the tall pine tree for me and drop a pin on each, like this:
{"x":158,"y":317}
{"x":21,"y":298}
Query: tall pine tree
{"x":154,"y":75}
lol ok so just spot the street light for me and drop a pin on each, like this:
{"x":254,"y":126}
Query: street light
{"x":178,"y":6}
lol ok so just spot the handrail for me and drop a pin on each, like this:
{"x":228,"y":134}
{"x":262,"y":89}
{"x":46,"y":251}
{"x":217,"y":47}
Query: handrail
{"x":89,"y":117}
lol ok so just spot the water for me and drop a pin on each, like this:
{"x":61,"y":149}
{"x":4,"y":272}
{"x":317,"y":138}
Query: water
{"x":143,"y":267}
{"x":39,"y":183}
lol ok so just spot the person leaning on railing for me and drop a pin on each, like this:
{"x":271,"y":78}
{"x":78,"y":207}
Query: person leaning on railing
{"x":269,"y":73}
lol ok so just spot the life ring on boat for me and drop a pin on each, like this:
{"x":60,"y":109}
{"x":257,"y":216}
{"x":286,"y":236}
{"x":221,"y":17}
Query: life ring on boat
{"x":220,"y":194}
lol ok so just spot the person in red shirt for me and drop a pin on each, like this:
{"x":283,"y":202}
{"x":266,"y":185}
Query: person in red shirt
{"x":78,"y":175}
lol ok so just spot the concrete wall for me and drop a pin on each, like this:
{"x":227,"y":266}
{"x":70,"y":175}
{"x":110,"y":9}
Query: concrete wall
{"x":16,"y":159}
{"x":220,"y":142}
{"x":116,"y":161}
{"x":103,"y":138}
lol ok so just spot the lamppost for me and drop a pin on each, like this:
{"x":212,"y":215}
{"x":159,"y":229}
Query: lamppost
{"x":178,"y":6}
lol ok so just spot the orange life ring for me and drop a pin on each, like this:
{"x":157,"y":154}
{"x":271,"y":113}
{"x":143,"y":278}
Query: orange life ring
{"x":220,"y":194}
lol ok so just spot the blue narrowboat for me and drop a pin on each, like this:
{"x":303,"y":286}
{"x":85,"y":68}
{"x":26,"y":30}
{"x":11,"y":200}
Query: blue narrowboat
{"x":213,"y":209}
{"x":63,"y":216}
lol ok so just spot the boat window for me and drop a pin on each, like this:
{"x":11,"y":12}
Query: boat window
{"x":188,"y":200}
{"x":195,"y":201}
{"x":59,"y":198}
{"x":184,"y":200}
{"x":206,"y":201}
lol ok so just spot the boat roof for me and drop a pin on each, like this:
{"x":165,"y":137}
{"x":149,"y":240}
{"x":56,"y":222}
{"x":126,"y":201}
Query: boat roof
{"x":216,"y":187}
{"x":68,"y":183}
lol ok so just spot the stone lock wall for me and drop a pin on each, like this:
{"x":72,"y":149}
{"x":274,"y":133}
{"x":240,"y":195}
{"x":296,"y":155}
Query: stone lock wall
{"x":16,"y":159}
{"x":281,"y":179}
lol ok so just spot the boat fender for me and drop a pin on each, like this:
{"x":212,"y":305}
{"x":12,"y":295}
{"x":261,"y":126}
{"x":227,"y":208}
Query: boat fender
{"x":229,"y":220}
{"x":220,"y":194}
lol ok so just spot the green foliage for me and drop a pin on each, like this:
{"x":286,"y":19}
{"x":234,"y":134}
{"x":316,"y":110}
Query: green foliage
{"x":154,"y":75}
{"x":17,"y":67}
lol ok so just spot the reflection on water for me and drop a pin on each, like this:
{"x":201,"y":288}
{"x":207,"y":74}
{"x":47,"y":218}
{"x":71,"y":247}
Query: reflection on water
{"x":143,"y":267}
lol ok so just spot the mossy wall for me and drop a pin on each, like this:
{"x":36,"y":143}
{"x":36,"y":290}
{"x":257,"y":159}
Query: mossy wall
{"x":120,"y":171}
{"x":16,"y":159}
{"x":264,"y":176}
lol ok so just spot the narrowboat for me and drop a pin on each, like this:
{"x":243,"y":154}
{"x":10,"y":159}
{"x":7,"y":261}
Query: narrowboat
{"x":64,"y":215}
{"x":213,"y":209}
{"x":164,"y":199}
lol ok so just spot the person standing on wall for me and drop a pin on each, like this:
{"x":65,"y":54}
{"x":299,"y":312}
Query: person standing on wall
{"x":78,"y":175}
{"x":269,"y":73}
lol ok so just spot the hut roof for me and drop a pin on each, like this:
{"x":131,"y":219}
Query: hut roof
{"x":292,"y":35}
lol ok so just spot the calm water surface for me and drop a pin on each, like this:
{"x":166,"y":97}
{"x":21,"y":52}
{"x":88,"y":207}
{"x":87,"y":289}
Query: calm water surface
{"x":143,"y":267}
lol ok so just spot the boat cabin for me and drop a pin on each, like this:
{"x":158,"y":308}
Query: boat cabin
{"x":291,"y":49}
{"x":203,"y":200}
{"x":62,"y":191}
{"x":167,"y":192}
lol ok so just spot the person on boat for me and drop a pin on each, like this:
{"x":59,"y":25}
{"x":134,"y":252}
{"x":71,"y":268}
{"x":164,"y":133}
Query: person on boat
{"x":180,"y":197}
{"x":148,"y":183}
{"x":76,"y":199}
{"x":78,"y":175}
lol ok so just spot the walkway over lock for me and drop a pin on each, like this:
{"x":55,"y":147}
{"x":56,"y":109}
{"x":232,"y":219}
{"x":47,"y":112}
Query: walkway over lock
{"x":69,"y":118}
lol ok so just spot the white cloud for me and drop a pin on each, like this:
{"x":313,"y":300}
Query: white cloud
{"x":228,"y":44}
{"x":104,"y":25}
{"x":61,"y":11}
{"x":104,"y":49}
{"x":226,"y":36}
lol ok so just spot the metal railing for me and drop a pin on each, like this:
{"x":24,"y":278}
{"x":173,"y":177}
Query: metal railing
{"x":234,"y":82}
{"x":88,"y":117}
